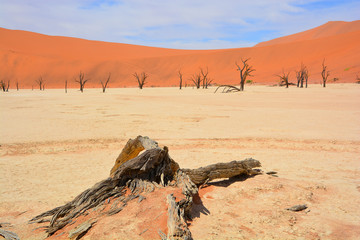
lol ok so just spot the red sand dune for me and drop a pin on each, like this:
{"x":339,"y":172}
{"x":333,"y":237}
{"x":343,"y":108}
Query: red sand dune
{"x":24,"y":56}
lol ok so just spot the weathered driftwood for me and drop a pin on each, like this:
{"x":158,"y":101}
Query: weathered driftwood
{"x":9,"y":235}
{"x":297,"y":208}
{"x":81,"y":230}
{"x":202,"y":175}
{"x":132,"y":149}
{"x":228,"y":88}
{"x":133,"y":175}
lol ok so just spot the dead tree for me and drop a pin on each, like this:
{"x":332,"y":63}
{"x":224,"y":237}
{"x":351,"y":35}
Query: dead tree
{"x":41,"y":83}
{"x":180,"y":78}
{"x":357,"y":78}
{"x":208,"y":82}
{"x":65,"y":86}
{"x":324,"y":73}
{"x":82,"y":81}
{"x":5,"y":85}
{"x":245,"y":71}
{"x":196,"y":79}
{"x":104,"y":84}
{"x":204,"y":75}
{"x":133,"y":175}
{"x":17,"y":86}
{"x":141,"y":79}
{"x":301,"y":76}
{"x":284,"y":79}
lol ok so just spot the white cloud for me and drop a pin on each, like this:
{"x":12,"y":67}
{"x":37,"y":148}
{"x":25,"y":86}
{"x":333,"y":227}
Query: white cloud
{"x":176,"y":24}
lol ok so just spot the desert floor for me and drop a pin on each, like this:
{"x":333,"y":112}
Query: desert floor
{"x":55,"y":145}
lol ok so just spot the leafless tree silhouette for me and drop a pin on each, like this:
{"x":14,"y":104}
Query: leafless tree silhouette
{"x":41,"y":83}
{"x":180,"y":78}
{"x":17,"y":85}
{"x":284,"y":79}
{"x":301,"y":76}
{"x":245,"y":71}
{"x":81,"y":81}
{"x":196,"y":79}
{"x":204,"y":76}
{"x":358,"y":78}
{"x":5,"y":85}
{"x":141,"y":79}
{"x":65,"y":86}
{"x":324,"y":73}
{"x":104,"y":84}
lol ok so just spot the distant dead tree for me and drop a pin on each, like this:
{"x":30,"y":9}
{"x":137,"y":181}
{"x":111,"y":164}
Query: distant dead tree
{"x":104,"y":84}
{"x":284,"y":79}
{"x":17,"y":86}
{"x":141,"y":79}
{"x":196,"y":79}
{"x":324,"y":73}
{"x":41,"y":83}
{"x":208,"y":82}
{"x":204,"y":77}
{"x":65,"y":86}
{"x":5,"y":85}
{"x":358,"y":78}
{"x":245,"y":71}
{"x":180,"y":78}
{"x":81,"y":81}
{"x":301,"y":76}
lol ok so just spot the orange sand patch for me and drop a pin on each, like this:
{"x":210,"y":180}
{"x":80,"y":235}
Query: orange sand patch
{"x":25,"y":56}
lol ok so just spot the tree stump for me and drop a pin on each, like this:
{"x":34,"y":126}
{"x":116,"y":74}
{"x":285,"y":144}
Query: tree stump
{"x":133,"y":174}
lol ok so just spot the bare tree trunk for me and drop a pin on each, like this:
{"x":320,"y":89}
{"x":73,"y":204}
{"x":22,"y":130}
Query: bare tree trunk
{"x":104,"y":84}
{"x":324,"y":73}
{"x":244,"y":71}
{"x":141,"y":79}
{"x":180,"y":78}
{"x":81,"y":81}
{"x":65,"y":86}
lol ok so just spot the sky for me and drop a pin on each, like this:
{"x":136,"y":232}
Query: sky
{"x":181,"y":24}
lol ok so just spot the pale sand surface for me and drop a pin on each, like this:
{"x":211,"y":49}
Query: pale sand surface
{"x":55,"y":145}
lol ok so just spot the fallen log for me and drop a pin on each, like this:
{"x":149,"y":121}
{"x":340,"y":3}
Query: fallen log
{"x":133,"y":174}
{"x":202,"y":175}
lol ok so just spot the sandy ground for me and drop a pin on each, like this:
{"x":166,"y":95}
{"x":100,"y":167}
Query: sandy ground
{"x":55,"y":145}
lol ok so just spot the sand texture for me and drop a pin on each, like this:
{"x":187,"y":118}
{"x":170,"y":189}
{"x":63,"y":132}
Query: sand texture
{"x":25,"y":56}
{"x":56,"y":145}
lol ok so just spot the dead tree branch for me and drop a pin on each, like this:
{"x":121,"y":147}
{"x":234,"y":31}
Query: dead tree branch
{"x":284,"y":79}
{"x":204,"y":75}
{"x":245,"y":71}
{"x":301,"y":76}
{"x":324,"y":73}
{"x":81,"y":81}
{"x":196,"y":79}
{"x":5,"y":85}
{"x":104,"y":84}
{"x":141,"y":79}
{"x":180,"y":78}
{"x":41,"y":83}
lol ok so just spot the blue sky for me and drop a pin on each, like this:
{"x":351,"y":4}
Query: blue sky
{"x":186,"y":24}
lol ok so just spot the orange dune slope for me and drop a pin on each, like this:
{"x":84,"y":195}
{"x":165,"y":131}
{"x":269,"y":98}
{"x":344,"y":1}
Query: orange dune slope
{"x":25,"y":56}
{"x":327,"y":30}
